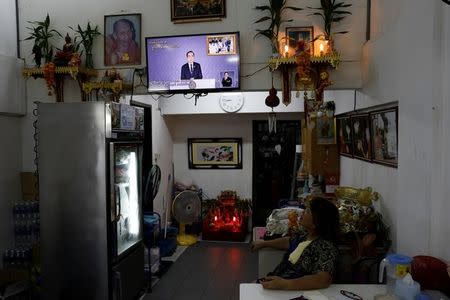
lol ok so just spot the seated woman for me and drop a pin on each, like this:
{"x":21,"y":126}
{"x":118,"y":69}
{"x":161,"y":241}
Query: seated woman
{"x":311,"y":256}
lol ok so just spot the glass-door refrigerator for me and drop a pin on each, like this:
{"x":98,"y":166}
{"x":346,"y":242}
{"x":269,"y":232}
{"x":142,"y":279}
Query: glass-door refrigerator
{"x":90,"y":183}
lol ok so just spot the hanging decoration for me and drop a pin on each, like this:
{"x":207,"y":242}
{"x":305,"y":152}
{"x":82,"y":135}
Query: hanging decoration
{"x":272,"y":101}
{"x":286,"y":75}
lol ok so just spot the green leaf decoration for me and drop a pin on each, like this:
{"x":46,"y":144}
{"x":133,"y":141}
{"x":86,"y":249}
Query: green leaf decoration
{"x":331,"y":12}
{"x":294,"y":8}
{"x":274,"y":9}
{"x":42,"y":35}
{"x":262,"y":19}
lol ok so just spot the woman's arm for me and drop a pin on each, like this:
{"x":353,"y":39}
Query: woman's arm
{"x":280,"y":243}
{"x":319,"y":280}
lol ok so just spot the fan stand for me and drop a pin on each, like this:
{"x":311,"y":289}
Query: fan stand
{"x":184,"y":239}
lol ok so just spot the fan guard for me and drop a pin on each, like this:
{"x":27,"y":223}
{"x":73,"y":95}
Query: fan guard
{"x":186,"y":208}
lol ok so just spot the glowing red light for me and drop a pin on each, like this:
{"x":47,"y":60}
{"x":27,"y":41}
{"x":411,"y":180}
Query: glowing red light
{"x":215,"y":218}
{"x":234,"y":219}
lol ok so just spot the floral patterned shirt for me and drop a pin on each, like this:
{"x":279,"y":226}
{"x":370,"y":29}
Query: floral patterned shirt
{"x":319,"y":256}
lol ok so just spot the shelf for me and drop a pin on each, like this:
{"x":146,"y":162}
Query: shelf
{"x":115,"y":87}
{"x":80,"y":74}
{"x":333,"y":59}
{"x":72,"y":71}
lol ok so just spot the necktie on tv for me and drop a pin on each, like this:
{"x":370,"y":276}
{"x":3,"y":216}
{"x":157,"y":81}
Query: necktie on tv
{"x":191,"y":68}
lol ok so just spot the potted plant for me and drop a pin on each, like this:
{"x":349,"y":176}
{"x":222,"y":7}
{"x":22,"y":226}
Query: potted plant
{"x":276,"y":8}
{"x":331,"y":12}
{"x":42,"y":34}
{"x":86,"y":37}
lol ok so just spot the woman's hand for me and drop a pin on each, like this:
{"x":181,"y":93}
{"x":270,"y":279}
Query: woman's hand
{"x":256,"y":245}
{"x":274,"y":283}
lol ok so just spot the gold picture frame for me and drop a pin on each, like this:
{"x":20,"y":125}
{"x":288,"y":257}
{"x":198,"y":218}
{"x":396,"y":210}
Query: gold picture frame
{"x":384,"y":136}
{"x":221,"y":44}
{"x":186,"y":11}
{"x":295,"y":34}
{"x":326,"y":130}
{"x":128,"y":25}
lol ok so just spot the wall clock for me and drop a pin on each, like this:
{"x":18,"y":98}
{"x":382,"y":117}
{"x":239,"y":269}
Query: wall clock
{"x":231,"y":102}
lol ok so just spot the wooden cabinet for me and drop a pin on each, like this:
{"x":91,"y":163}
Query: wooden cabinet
{"x":318,"y":159}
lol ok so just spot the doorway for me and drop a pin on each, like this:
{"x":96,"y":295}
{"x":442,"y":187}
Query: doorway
{"x":274,"y":166}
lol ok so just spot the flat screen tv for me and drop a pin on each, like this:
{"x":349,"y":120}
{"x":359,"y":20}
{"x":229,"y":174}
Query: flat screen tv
{"x":193,"y":63}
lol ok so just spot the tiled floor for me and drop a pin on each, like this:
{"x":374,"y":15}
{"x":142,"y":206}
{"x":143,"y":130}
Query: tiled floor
{"x":208,"y":271}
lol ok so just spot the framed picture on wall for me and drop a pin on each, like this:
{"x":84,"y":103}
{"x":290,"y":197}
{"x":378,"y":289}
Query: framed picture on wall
{"x":183,"y":11}
{"x":344,"y":136}
{"x":326,"y":130}
{"x":215,"y":153}
{"x":221,"y":44}
{"x":385,"y":136}
{"x":122,"y":40}
{"x":295,"y":34}
{"x":362,"y":148}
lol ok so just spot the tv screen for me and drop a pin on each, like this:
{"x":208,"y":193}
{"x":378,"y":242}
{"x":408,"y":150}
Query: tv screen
{"x":193,"y":63}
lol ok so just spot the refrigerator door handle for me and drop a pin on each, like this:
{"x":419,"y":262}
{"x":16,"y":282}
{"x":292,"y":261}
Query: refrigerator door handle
{"x":119,"y":209}
{"x":118,"y":280}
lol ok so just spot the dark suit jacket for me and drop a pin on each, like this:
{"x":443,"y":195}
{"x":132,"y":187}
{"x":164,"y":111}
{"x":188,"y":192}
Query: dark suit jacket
{"x":227,"y":82}
{"x":196,"y":73}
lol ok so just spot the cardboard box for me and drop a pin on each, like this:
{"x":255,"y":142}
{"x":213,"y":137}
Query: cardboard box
{"x":29,"y":188}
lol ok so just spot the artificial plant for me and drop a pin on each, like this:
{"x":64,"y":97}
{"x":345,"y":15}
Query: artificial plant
{"x":331,"y":12}
{"x":42,"y":34}
{"x":276,"y":8}
{"x":86,"y":37}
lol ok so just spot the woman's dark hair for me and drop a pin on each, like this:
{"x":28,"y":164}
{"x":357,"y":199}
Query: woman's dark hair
{"x":325,"y":217}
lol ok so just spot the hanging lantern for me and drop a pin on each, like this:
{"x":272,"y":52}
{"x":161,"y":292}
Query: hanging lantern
{"x":272,"y":101}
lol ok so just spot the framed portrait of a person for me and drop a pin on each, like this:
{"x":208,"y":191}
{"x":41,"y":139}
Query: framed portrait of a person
{"x":385,"y":136}
{"x":326,"y":130}
{"x":122,"y":40}
{"x":183,"y":11}
{"x":362,"y":148}
{"x":344,"y":134}
{"x":295,"y":34}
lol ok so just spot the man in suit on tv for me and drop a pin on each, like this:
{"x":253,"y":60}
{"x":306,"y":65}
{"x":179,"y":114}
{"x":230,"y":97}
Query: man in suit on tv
{"x":191,"y":69}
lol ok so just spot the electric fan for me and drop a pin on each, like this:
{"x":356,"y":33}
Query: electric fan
{"x":186,"y":209}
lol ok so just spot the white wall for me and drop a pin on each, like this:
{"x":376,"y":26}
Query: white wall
{"x":10,"y":188}
{"x":254,"y":102}
{"x":8,"y":30}
{"x":209,"y":126}
{"x":10,"y":104}
{"x":396,"y":66}
{"x":440,"y":206}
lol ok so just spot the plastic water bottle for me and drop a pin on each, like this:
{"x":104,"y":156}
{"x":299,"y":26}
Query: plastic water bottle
{"x":154,"y":259}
